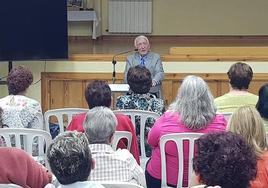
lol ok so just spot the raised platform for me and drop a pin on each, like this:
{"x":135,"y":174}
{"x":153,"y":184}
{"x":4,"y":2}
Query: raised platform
{"x":236,"y":53}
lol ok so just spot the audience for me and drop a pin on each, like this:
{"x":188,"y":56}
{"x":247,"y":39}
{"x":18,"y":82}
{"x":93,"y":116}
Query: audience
{"x":247,"y":122}
{"x":262,"y":105}
{"x":224,"y":159}
{"x":240,"y":76}
{"x":98,"y":93}
{"x":193,"y":111}
{"x":119,"y":165}
{"x":20,"y":111}
{"x":139,"y":80}
{"x":70,"y":160}
{"x":18,"y":167}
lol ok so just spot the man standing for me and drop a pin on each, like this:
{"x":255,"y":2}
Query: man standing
{"x":151,"y":60}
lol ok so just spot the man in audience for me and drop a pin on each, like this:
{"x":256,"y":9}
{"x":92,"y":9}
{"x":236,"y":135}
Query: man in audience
{"x":98,"y":93}
{"x":150,"y":60}
{"x":110,"y":165}
{"x":70,"y":160}
{"x":240,"y":76}
{"x":224,"y":159}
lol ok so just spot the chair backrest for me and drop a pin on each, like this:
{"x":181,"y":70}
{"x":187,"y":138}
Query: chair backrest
{"x":25,"y":139}
{"x":118,"y":135}
{"x":178,"y":139}
{"x":60,"y":113}
{"x":227,"y":115}
{"x":115,"y":184}
{"x":10,"y":185}
{"x":40,"y":119}
{"x":144,"y":115}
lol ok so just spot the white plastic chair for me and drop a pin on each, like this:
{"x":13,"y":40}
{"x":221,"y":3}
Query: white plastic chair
{"x":10,"y":185}
{"x":118,"y":135}
{"x":227,"y":115}
{"x":178,"y":139}
{"x":115,"y":184}
{"x":144,"y":115}
{"x":60,"y":113}
{"x":24,"y":139}
{"x":40,"y":119}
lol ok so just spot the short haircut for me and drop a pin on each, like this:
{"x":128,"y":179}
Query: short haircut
{"x":19,"y":79}
{"x":140,"y":37}
{"x":1,"y":117}
{"x":247,"y":122}
{"x":240,"y":75}
{"x":139,"y":79}
{"x":99,"y":125}
{"x":70,"y":158}
{"x":224,"y":159}
{"x":98,"y":93}
{"x":262,"y":104}
{"x":194,"y":103}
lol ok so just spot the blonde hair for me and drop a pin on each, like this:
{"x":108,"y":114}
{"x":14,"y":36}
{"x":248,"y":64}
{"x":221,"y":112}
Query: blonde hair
{"x":247,"y":122}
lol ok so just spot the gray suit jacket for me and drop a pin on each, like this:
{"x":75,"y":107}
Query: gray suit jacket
{"x":153,"y":63}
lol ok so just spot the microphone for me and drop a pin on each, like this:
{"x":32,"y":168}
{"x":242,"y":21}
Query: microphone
{"x":121,"y":53}
{"x":114,"y":61}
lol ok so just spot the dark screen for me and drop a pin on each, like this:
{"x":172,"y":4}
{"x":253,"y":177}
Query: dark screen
{"x":33,"y":30}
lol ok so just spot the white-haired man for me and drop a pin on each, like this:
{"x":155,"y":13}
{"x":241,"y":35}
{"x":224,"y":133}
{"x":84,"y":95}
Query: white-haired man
{"x":111,"y":165}
{"x":151,"y":60}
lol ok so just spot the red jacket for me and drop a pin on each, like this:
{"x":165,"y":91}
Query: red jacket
{"x":16,"y":166}
{"x":124,"y":124}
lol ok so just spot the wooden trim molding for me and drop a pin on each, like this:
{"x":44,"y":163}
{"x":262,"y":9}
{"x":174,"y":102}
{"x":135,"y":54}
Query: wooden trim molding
{"x":237,"y":53}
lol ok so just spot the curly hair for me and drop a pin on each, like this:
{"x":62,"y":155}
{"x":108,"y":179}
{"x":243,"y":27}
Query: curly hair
{"x":69,"y":157}
{"x":1,"y":117}
{"x":224,"y":159}
{"x":262,"y":104}
{"x":98,"y":93}
{"x":139,"y":79}
{"x":240,"y":75}
{"x":19,"y":79}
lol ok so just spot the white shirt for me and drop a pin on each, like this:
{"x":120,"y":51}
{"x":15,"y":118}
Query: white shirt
{"x":79,"y":184}
{"x":113,"y":165}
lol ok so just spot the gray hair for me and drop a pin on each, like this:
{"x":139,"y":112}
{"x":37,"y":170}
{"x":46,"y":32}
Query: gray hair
{"x":99,"y":125}
{"x":141,"y":37}
{"x":194,"y":103}
{"x":69,"y":157}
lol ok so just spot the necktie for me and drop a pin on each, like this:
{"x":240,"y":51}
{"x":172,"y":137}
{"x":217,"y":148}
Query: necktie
{"x":142,"y":62}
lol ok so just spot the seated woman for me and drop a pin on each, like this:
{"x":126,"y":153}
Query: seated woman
{"x":98,"y":93}
{"x":140,"y":81}
{"x":20,"y":111}
{"x":18,"y":167}
{"x":247,"y":122}
{"x":193,"y":111}
{"x":224,"y":159}
{"x":262,"y":105}
{"x":71,"y":161}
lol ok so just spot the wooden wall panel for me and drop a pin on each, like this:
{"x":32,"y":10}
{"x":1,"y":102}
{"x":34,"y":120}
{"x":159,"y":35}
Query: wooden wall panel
{"x":56,"y":90}
{"x":67,"y":89}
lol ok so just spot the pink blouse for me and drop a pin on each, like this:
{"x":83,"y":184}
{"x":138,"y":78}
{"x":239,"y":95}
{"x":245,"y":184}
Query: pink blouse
{"x":170,"y":122}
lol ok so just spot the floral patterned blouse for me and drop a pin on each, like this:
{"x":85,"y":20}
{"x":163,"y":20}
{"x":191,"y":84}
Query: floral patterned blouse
{"x":147,"y":102}
{"x":20,"y":111}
